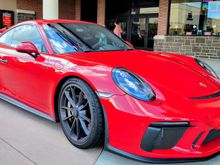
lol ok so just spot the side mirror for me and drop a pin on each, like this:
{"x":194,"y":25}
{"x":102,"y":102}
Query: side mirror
{"x":130,"y":44}
{"x":29,"y":48}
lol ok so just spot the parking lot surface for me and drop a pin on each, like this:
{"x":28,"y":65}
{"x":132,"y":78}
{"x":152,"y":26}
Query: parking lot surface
{"x":28,"y":139}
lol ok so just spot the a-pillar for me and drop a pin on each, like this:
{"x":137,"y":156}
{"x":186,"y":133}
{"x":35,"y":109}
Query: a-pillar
{"x":50,"y":9}
{"x":101,"y":12}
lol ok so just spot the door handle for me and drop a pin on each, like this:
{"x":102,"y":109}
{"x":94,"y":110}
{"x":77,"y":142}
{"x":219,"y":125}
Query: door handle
{"x":3,"y":61}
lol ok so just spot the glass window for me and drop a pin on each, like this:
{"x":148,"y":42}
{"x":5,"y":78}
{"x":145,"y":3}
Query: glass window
{"x":145,"y":7}
{"x":61,"y":41}
{"x":6,"y":38}
{"x":194,"y":17}
{"x":212,"y":23}
{"x":70,"y":37}
{"x":28,"y":33}
{"x":97,"y":38}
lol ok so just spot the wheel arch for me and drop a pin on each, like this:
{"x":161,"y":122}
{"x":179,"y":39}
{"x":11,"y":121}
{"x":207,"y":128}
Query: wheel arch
{"x":59,"y":86}
{"x":105,"y":135}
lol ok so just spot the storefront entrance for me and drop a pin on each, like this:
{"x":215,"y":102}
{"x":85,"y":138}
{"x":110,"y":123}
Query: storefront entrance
{"x":139,"y":30}
{"x":138,"y":19}
{"x":143,"y":29}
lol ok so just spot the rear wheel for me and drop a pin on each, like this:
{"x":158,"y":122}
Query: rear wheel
{"x":80,"y":113}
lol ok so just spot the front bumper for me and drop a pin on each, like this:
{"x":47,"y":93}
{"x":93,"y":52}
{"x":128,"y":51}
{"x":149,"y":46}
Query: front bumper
{"x":129,"y":122}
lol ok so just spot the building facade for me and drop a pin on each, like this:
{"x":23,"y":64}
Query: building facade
{"x":190,"y":27}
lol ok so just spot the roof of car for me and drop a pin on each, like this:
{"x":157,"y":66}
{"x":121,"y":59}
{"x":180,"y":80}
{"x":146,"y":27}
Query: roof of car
{"x":44,"y":21}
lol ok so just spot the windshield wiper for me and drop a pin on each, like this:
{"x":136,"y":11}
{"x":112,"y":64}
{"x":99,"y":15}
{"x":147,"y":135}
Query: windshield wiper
{"x":88,"y":51}
{"x":114,"y":50}
{"x":129,"y":49}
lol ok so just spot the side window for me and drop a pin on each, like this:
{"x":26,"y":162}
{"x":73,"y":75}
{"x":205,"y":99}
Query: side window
{"x":6,"y":38}
{"x":28,"y":33}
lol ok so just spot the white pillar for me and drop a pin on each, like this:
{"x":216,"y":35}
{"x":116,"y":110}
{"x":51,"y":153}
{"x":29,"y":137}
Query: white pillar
{"x":50,"y":9}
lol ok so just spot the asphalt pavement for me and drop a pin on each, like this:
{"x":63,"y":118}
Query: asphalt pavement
{"x":28,"y":139}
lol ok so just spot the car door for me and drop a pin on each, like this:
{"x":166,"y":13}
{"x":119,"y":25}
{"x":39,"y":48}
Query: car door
{"x":6,"y":39}
{"x":23,"y":77}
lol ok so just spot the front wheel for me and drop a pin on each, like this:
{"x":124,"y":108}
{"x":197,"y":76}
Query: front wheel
{"x":80,"y":113}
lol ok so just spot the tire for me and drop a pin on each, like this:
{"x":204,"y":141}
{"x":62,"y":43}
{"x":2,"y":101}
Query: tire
{"x":80,"y":114}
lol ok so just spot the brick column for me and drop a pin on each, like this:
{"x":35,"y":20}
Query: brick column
{"x":101,"y":12}
{"x":77,"y":9}
{"x":163,"y":17}
{"x":66,"y":9}
{"x":33,"y":5}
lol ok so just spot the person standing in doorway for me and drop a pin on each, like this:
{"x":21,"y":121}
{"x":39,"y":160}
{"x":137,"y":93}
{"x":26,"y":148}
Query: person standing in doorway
{"x":117,"y":29}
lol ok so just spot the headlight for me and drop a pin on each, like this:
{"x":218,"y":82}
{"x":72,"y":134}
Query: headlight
{"x":206,"y":67}
{"x":132,"y":84}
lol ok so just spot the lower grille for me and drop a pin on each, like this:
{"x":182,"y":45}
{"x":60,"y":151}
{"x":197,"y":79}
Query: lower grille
{"x":213,"y":134}
{"x":164,"y":135}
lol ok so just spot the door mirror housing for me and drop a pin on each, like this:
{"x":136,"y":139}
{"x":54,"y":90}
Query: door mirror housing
{"x":29,"y":48}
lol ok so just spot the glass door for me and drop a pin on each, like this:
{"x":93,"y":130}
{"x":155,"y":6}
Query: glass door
{"x":142,"y":31}
{"x":138,"y":32}
{"x":152,"y":24}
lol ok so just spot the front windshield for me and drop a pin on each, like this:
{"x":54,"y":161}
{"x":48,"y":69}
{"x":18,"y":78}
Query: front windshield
{"x":84,"y":37}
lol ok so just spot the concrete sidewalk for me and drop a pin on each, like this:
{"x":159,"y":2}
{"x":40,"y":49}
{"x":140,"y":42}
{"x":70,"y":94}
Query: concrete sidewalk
{"x":215,"y":64}
{"x":28,"y":139}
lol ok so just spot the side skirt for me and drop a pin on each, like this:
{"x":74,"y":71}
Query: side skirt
{"x":25,"y":107}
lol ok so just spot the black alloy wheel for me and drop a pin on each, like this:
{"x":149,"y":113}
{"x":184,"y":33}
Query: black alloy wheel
{"x":80,"y":113}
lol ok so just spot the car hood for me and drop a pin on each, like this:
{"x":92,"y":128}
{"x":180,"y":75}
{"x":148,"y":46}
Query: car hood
{"x":176,"y":73}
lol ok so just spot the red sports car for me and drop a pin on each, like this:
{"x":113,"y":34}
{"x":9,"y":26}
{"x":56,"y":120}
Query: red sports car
{"x":153,"y":107}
